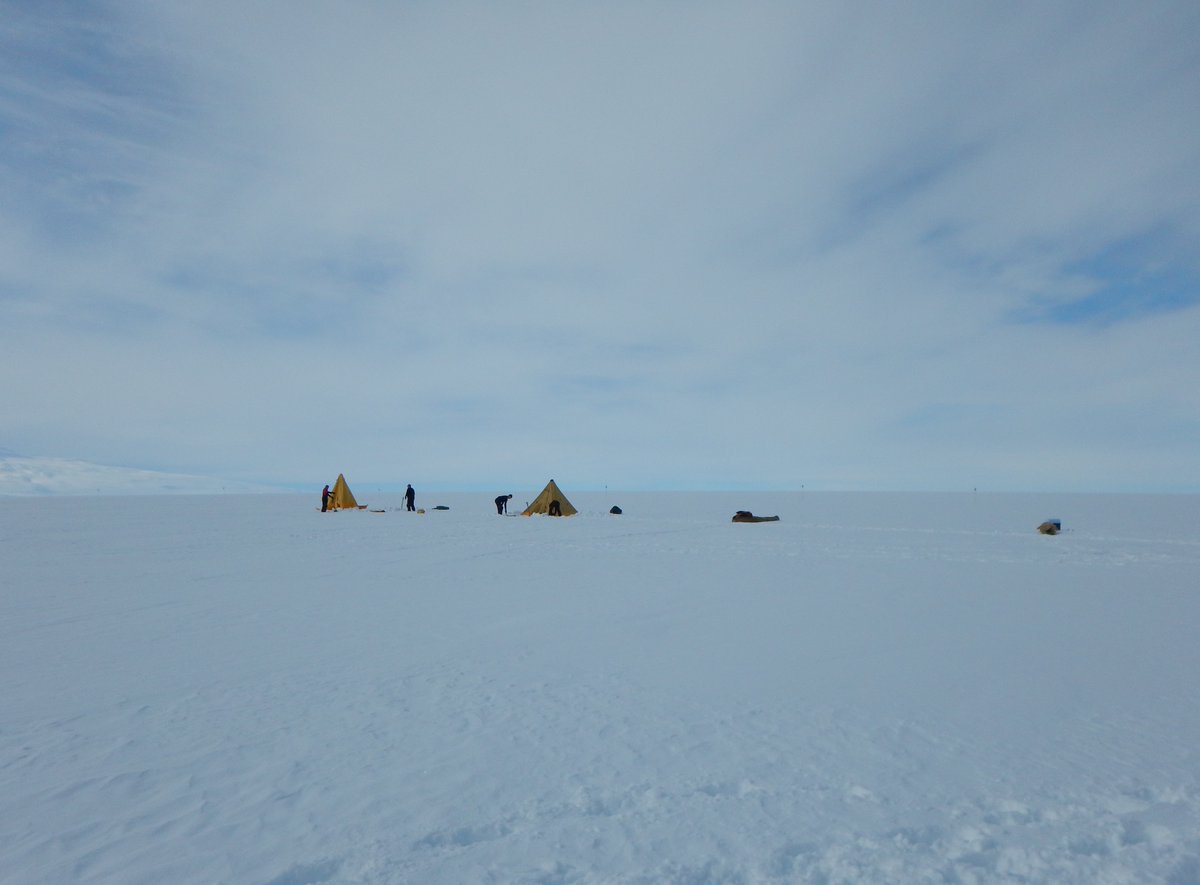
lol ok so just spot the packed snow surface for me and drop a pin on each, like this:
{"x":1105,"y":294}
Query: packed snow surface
{"x":875,"y":689}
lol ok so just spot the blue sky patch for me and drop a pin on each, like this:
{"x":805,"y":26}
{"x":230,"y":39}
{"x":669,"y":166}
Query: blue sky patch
{"x":1130,"y":282}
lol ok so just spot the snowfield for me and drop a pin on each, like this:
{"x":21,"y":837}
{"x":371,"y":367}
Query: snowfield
{"x":876,"y":689}
{"x":20,"y":475}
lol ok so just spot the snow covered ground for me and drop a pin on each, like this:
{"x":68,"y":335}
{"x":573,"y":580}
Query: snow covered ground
{"x":877,"y":688}
{"x":20,"y":475}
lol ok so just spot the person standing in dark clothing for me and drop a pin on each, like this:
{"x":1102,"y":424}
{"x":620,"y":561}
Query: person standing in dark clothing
{"x":325,"y":499}
{"x":502,"y":503}
{"x":410,"y":498}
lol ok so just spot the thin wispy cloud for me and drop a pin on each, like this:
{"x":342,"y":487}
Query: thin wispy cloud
{"x":634,"y":244}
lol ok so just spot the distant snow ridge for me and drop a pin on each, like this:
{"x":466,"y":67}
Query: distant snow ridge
{"x":20,"y":475}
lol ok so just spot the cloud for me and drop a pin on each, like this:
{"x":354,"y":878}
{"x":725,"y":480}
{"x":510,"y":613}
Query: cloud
{"x":684,"y":245}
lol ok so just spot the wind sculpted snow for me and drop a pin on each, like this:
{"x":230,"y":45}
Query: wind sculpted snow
{"x":877,"y":688}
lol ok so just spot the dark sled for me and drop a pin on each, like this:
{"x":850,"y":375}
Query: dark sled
{"x":747,"y":516}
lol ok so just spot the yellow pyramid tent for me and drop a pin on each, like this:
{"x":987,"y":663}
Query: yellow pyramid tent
{"x":541,"y":504}
{"x":341,"y":498}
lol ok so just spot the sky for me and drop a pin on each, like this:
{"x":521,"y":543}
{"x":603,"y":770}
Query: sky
{"x":651,"y":245}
